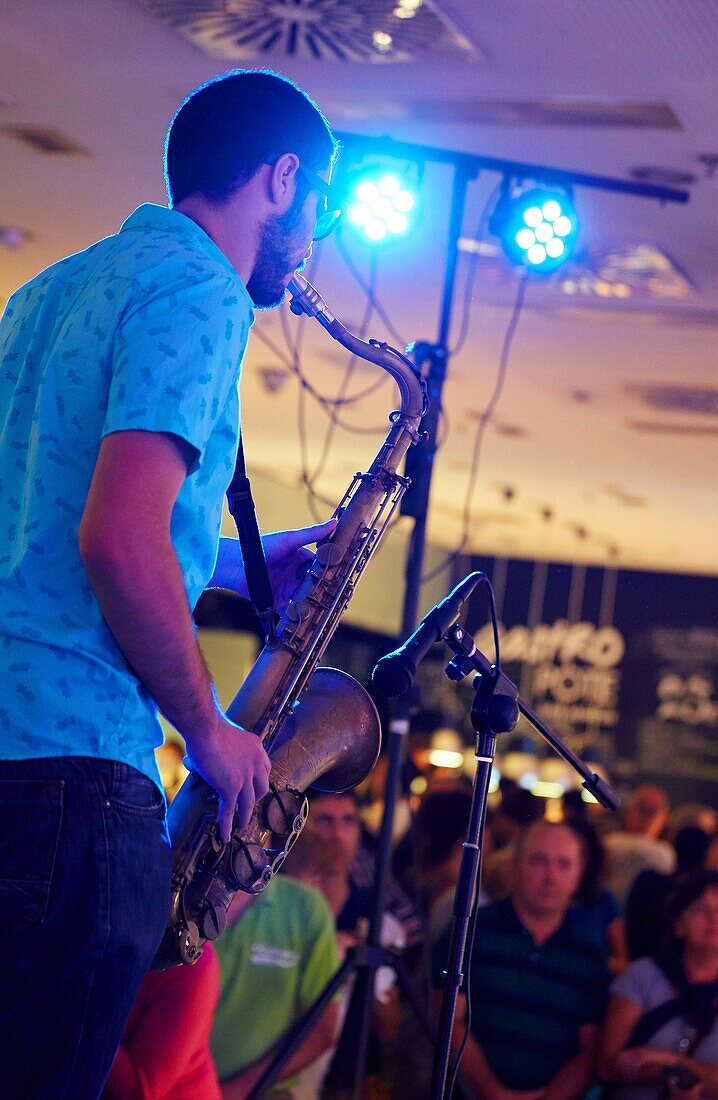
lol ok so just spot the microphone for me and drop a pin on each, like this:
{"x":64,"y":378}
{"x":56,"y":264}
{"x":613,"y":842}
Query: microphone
{"x":394,"y":674}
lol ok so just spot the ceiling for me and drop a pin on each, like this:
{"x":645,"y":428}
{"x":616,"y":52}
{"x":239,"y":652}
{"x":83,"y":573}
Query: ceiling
{"x":602,"y":447}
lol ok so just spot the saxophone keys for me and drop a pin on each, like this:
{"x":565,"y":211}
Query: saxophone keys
{"x":187,"y":943}
{"x":281,"y":811}
{"x":213,"y":921}
{"x":248,"y":865}
{"x":298,"y":610}
{"x":328,"y":554}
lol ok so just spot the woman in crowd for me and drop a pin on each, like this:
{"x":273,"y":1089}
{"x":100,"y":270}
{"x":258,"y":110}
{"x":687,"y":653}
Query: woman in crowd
{"x":660,"y":1036}
{"x":600,"y":914}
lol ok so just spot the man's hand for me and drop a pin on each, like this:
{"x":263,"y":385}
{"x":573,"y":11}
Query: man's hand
{"x":286,"y":555}
{"x":643,"y":1063}
{"x":233,"y":762}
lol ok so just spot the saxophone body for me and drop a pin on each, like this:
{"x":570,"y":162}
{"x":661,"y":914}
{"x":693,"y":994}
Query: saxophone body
{"x":318,"y":725}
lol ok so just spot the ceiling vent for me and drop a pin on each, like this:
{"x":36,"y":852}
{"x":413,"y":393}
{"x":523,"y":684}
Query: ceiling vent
{"x":318,"y":30}
{"x":664,"y":177}
{"x":548,"y":112}
{"x":636,"y":272}
{"x":49,"y":142}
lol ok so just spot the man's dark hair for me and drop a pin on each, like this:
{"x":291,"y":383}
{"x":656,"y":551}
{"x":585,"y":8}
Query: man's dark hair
{"x":228,"y":127}
{"x":441,"y":823}
{"x":686,"y":890}
{"x":316,"y":796}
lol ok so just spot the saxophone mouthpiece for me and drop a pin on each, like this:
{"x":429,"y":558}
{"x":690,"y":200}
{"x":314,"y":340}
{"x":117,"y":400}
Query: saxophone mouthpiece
{"x":305,"y":299}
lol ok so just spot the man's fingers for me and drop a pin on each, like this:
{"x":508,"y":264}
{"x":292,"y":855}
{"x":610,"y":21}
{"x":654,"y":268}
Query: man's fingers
{"x":225,"y":813}
{"x":260,"y":784}
{"x":315,"y":533}
{"x":245,"y":805}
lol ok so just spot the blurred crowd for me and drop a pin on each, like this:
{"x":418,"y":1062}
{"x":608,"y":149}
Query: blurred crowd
{"x":593,"y":968}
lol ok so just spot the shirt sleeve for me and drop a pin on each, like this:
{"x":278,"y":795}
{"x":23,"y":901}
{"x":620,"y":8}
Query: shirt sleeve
{"x":636,"y":981}
{"x":177,"y":356}
{"x":321,"y":960}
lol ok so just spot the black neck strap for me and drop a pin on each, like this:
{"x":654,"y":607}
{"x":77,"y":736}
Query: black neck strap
{"x":241,"y":506}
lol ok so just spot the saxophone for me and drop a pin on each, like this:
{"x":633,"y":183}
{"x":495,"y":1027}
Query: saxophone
{"x":318,"y":725}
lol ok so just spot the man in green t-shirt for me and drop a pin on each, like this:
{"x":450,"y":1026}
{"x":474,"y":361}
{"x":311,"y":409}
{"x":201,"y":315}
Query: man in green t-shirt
{"x":276,"y":956}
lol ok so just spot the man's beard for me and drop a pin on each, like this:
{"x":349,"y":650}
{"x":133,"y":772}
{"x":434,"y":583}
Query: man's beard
{"x":281,"y":239}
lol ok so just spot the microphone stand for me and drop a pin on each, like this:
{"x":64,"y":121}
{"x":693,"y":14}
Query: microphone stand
{"x":495,"y":709}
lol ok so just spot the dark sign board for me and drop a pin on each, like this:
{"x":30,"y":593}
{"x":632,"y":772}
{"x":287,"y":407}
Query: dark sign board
{"x":623,"y":664}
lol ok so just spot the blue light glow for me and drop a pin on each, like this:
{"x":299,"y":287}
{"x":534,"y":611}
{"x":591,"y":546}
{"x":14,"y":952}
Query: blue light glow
{"x":537,"y":228}
{"x":380,"y":206}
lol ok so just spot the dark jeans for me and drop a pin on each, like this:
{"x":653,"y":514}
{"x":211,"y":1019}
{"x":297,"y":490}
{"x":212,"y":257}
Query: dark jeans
{"x":84,"y":898}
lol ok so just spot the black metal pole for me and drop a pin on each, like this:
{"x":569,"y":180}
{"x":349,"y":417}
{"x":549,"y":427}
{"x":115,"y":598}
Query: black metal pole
{"x":360,"y":1008}
{"x":464,"y":902}
{"x":364,"y":989}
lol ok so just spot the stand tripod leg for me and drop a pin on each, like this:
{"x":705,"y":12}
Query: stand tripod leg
{"x":293,"y":1038}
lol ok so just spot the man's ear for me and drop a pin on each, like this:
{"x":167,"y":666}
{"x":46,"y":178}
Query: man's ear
{"x":282,"y":181}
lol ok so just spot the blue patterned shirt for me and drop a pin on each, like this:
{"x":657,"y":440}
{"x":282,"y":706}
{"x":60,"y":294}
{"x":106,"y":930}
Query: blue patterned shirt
{"x":143,"y":330}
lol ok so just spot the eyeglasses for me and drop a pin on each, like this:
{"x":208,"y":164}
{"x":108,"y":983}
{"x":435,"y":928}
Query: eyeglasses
{"x":326,"y":219}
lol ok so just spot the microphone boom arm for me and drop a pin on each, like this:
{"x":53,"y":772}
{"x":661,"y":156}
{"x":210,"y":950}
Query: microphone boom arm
{"x":468,"y":658}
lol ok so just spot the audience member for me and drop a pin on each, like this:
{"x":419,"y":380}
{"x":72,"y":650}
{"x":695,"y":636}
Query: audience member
{"x":538,"y":981}
{"x":660,"y":1037}
{"x":335,"y":818}
{"x":165,"y":1051}
{"x":440,"y":830}
{"x":600,"y":914}
{"x":335,"y":823}
{"x":638,"y":847}
{"x":276,"y":956}
{"x":692,"y":813}
{"x":170,"y":761}
{"x":517,"y":809}
{"x":650,"y":890}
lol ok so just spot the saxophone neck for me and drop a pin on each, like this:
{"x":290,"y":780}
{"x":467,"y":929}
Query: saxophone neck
{"x":412,"y":387}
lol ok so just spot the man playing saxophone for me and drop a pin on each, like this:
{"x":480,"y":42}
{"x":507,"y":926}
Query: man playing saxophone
{"x":118,"y":435}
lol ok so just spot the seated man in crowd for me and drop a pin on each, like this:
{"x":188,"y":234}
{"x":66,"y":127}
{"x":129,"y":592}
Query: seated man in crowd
{"x":440,"y":829}
{"x":276,"y":956}
{"x":538,"y":982}
{"x":335,"y":820}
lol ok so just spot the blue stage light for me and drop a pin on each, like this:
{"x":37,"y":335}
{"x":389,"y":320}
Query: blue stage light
{"x":380,"y":206}
{"x":537,"y":228}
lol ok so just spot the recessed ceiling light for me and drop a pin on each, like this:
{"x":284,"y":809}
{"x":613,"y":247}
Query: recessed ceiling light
{"x":45,"y":140}
{"x":14,"y":236}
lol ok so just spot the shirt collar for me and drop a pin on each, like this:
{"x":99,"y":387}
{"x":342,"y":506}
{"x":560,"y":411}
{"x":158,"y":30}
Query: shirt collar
{"x":562,"y":935}
{"x":151,"y":216}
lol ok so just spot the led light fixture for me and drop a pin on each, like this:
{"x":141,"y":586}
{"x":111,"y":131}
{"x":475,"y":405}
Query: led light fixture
{"x":537,"y":227}
{"x":380,"y":207}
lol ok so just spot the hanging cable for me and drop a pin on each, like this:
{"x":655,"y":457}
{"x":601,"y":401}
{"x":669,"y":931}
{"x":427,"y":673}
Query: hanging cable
{"x":359,"y":279}
{"x":473,"y":264}
{"x":484,"y":421}
{"x":347,"y":376}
